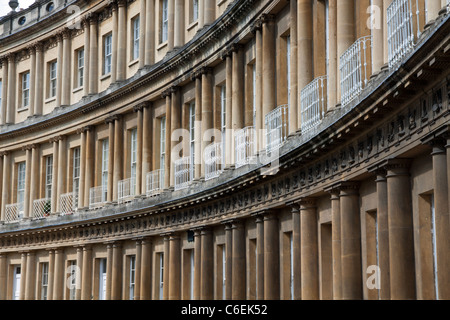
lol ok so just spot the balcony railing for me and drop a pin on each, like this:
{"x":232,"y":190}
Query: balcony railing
{"x":355,"y":69}
{"x":213,"y":161}
{"x":277,"y":127}
{"x":155,"y":182}
{"x":96,"y":197}
{"x":313,"y":103}
{"x":42,"y":208}
{"x":400,"y":24}
{"x":182,"y":173}
{"x":127,"y":190}
{"x":68,"y":203}
{"x":13,"y":212}
{"x":245,"y":146}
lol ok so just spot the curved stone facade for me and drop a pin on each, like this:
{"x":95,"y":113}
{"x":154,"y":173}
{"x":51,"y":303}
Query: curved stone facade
{"x":246,"y":149}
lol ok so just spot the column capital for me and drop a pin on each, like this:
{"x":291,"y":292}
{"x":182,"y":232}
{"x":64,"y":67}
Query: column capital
{"x":394,"y":164}
{"x":166,"y":93}
{"x":121,"y":3}
{"x":10,"y":56}
{"x":228,"y":51}
{"x":85,"y":129}
{"x":4,"y":153}
{"x":29,"y":146}
{"x":57,"y":138}
{"x":295,"y":206}
{"x":344,"y":188}
{"x":267,"y":17}
{"x":256,"y":26}
{"x":111,"y":119}
{"x":140,"y":106}
{"x":91,"y":18}
{"x":307,"y":203}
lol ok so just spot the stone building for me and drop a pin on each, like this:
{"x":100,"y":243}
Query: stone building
{"x":246,"y":149}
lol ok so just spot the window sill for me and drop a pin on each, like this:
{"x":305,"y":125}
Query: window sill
{"x":221,"y":2}
{"x":106,"y":76}
{"x":162,"y":45}
{"x":131,"y":63}
{"x":77,"y":89}
{"x":22,"y":109}
{"x":48,"y":100}
{"x":192,"y":25}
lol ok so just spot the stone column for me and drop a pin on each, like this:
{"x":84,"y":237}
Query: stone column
{"x":54,"y":198}
{"x":383,"y":234}
{"x":147,"y":145}
{"x":179,"y":23}
{"x":142,"y":35}
{"x":238,"y":261}
{"x":350,"y":242}
{"x":260,"y":257}
{"x":116,"y":279}
{"x":32,"y":51}
{"x":309,"y":250}
{"x":51,"y":273}
{"x":150,"y":33}
{"x":109,"y":267}
{"x":229,"y":137}
{"x":401,"y":242}
{"x":175,"y":267}
{"x":293,"y":76}
{"x":197,"y":264}
{"x":87,"y":56}
{"x":58,"y":283}
{"x":6,"y":183}
{"x":336,"y":244}
{"x":79,"y":274}
{"x":377,"y":39}
{"x":146,"y":269}
{"x":296,"y":259}
{"x":305,"y":48}
{"x":28,"y":208}
{"x":259,"y":121}
{"x":114,"y":35}
{"x":62,"y":168}
{"x":121,"y":41}
{"x":23,"y":275}
{"x":93,"y":54}
{"x":66,"y":67}
{"x":269,"y":64}
{"x":345,"y":33}
{"x":11,"y":96}
{"x":271,"y":257}
{"x":167,"y":159}
{"x":175,"y":123}
{"x":3,"y":272}
{"x":207,"y":265}
{"x":31,"y":277}
{"x":34,"y":179}
{"x":198,"y":145}
{"x":138,"y":271}
{"x":118,"y":156}
{"x":109,"y":194}
{"x":229,"y":261}
{"x":59,"y":68}
{"x":166,"y":273}
{"x":3,"y":106}
{"x":207,"y":112}
{"x":90,"y":163}
{"x":81,"y":190}
{"x":441,"y":214}
{"x":237,"y":99}
{"x":171,"y":26}
{"x":139,"y":110}
{"x":86,"y":274}
{"x":332,"y":55}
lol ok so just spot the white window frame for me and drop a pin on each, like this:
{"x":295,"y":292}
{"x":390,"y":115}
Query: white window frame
{"x":76,"y":174}
{"x":133,"y":158}
{"x":164,"y":20}
{"x":73,"y":280}
{"x":194,"y":10}
{"x":25,"y":79}
{"x":44,"y":281}
{"x":132,"y":276}
{"x":107,"y":57}
{"x":16,"y":282}
{"x":162,"y":145}
{"x":288,"y":67}
{"x":53,"y":74}
{"x":105,"y":160}
{"x":254,"y":92}
{"x":223,"y":119}
{"x":21,"y":167}
{"x":48,"y":176}
{"x":192,"y":136}
{"x":102,"y":279}
{"x":136,"y":27}
{"x":80,"y":67}
{"x":161,"y":275}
